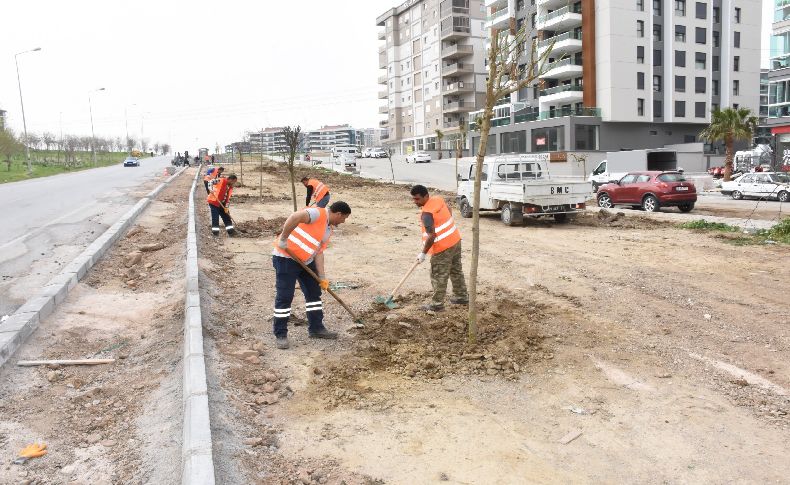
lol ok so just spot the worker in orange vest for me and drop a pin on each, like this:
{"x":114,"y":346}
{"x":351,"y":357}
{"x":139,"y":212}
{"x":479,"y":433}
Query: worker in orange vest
{"x":218,"y":201}
{"x":442,"y":240}
{"x":305,"y":235}
{"x":212,"y":174}
{"x":317,"y":193}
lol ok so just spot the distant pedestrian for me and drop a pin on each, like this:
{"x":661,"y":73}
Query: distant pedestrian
{"x":212,"y":159}
{"x":317,"y":193}
{"x":218,"y":202}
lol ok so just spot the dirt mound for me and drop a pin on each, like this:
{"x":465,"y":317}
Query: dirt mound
{"x":260,"y":227}
{"x":604,"y":218}
{"x":254,"y":198}
{"x":408,"y":342}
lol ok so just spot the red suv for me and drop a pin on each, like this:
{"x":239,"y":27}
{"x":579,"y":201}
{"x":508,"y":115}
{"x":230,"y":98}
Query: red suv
{"x":650,"y":191}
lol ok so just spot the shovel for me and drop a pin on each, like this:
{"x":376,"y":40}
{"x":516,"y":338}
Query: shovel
{"x":328,"y":290}
{"x":388,"y":300}
{"x":229,"y":216}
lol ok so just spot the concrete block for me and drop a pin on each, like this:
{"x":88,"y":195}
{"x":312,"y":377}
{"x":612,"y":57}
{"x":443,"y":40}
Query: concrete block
{"x":198,"y":470}
{"x":18,"y":321}
{"x":193,"y":300}
{"x":58,"y":291}
{"x":197,"y":427}
{"x":195,"y":377}
{"x":193,"y":343}
{"x":194,"y":318}
{"x":79,"y":265}
{"x":192,"y":281}
{"x":41,"y":304}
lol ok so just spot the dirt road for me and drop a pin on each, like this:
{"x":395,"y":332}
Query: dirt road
{"x":630,"y":352}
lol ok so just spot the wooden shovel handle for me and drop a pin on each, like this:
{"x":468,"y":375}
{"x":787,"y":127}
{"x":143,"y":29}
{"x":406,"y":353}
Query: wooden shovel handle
{"x":315,"y":277}
{"x":403,"y":280}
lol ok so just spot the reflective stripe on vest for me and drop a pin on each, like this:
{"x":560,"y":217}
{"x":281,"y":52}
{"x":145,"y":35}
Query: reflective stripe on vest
{"x":446,"y":233}
{"x":306,"y":239}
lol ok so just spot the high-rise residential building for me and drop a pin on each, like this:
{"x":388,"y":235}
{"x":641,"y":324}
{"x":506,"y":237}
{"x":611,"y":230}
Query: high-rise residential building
{"x":372,"y":137}
{"x":267,"y":140}
{"x":626,"y":74}
{"x":2,"y":119}
{"x":778,"y":119}
{"x":433,"y":57}
{"x":326,"y":137}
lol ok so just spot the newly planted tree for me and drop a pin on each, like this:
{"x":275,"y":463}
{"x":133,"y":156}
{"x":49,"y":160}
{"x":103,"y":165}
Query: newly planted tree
{"x":511,"y":67}
{"x":292,"y":143}
{"x":460,"y":144}
{"x":730,"y":125}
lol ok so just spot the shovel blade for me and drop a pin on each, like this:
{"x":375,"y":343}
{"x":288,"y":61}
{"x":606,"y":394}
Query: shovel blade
{"x":386,"y":301}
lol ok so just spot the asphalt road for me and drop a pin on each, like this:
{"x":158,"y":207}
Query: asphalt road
{"x":50,"y":220}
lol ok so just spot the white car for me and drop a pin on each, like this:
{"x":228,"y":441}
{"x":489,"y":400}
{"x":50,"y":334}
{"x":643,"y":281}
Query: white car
{"x":377,"y":153}
{"x":763,"y":185}
{"x":418,"y":157}
{"x":366,"y":153}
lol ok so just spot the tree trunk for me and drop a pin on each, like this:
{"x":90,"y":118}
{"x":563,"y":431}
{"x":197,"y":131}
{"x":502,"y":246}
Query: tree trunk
{"x":392,"y":170}
{"x":293,"y":184}
{"x":728,"y":156}
{"x":484,"y":129}
{"x":260,"y":181}
{"x":241,"y":167}
{"x":457,"y":155}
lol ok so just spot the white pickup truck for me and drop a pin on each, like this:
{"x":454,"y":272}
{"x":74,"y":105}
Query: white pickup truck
{"x":521,"y":186}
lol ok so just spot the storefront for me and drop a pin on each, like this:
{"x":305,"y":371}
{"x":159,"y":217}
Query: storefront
{"x":782,"y":137}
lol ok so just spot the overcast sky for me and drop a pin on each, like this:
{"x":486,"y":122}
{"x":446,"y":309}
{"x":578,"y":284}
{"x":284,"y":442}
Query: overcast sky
{"x":197,"y":72}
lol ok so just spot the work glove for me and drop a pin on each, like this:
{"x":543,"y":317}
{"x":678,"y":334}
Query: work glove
{"x":421,"y":257}
{"x":324,"y":284}
{"x":33,"y":451}
{"x":227,"y":211}
{"x":282,"y":243}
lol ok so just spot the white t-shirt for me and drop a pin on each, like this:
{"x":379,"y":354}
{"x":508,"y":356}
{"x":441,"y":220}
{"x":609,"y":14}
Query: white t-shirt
{"x":314,"y":213}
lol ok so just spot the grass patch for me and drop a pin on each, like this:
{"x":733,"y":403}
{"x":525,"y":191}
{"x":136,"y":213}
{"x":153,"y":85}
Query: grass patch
{"x":703,"y":225}
{"x":779,"y":234}
{"x":45,"y":163}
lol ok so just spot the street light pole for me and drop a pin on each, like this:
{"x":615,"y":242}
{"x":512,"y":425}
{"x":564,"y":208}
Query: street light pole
{"x":22,"y":103}
{"x":93,"y":134}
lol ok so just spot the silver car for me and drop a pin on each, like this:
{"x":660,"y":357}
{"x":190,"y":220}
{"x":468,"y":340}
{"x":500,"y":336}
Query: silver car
{"x":762,"y":185}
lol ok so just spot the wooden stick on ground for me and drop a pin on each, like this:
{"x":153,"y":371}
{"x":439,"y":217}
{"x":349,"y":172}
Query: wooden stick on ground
{"x":32,"y":363}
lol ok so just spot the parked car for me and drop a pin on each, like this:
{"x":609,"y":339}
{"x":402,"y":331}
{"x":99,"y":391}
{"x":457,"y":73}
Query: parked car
{"x":378,"y":153}
{"x":131,"y":162}
{"x":418,"y":157}
{"x":716,"y":172}
{"x":366,"y":153}
{"x":650,"y":190}
{"x":763,"y":185}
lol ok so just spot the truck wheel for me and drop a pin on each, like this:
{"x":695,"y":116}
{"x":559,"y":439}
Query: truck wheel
{"x":466,"y":209}
{"x":650,"y":204}
{"x":561,"y":218}
{"x":512,"y":216}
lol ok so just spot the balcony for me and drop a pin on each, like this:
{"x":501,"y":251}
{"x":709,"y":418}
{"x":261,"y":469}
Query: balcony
{"x":459,"y":87}
{"x":565,"y":112}
{"x":384,"y":110}
{"x":563,"y":69}
{"x":495,"y":3}
{"x":457,"y":68}
{"x":384,"y":136}
{"x":563,"y":43}
{"x":456,"y":30}
{"x":382,"y":49}
{"x":384,"y":123}
{"x":383,"y":94}
{"x":561,"y":19}
{"x":383,"y":79}
{"x":451,"y":125}
{"x":499,"y":20}
{"x":456,"y":51}
{"x":551,"y":4}
{"x":460,"y":106}
{"x":562,"y":94}
{"x":383,"y":61}
{"x":382,"y":35}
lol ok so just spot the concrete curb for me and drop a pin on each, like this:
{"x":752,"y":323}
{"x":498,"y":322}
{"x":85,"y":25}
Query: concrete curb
{"x":196,"y":450}
{"x":22,"y":323}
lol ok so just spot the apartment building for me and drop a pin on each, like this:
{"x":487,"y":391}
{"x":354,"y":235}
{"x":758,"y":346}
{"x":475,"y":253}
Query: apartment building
{"x":433,"y":57}
{"x":778,"y":118}
{"x":2,"y":119}
{"x":267,"y":140}
{"x":626,"y":74}
{"x":326,"y":137}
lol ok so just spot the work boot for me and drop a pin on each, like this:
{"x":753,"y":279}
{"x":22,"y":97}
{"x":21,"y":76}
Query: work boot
{"x":459,"y":301}
{"x":282,"y":343}
{"x":432,"y":307}
{"x":324,"y":334}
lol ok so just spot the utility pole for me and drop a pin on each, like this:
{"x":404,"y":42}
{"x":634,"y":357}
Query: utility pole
{"x":22,"y":103}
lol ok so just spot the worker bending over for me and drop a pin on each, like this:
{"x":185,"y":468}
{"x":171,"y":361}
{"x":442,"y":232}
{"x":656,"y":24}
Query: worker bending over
{"x":305,"y":236}
{"x":317,"y":193}
{"x":442,"y":240}
{"x":218,"y":201}
{"x":212,"y":175}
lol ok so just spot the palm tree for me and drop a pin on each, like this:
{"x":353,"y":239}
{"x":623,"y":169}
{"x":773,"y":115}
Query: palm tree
{"x":730,"y":125}
{"x":439,"y":136}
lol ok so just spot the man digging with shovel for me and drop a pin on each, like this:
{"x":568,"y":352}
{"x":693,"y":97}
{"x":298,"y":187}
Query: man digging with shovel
{"x":442,"y":240}
{"x":218,"y":201}
{"x":298,"y":255}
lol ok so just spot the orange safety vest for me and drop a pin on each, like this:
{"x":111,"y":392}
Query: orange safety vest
{"x":305,"y":240}
{"x":221,"y":192}
{"x":211,"y":176}
{"x":447,"y":235}
{"x":319,"y":189}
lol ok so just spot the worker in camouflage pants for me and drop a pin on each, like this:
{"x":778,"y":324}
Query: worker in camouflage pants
{"x":447,"y":265}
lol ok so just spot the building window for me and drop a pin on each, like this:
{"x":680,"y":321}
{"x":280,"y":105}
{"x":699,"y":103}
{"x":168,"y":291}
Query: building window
{"x":640,"y":80}
{"x":737,"y":15}
{"x":680,"y":33}
{"x":714,"y":106}
{"x":640,"y":5}
{"x":586,"y":137}
{"x":715,"y":38}
{"x":680,"y":7}
{"x":736,"y":87}
{"x":640,"y":28}
{"x":657,"y":83}
{"x":640,"y":54}
{"x":699,"y":60}
{"x":548,"y":139}
{"x":680,"y":58}
{"x":715,"y":63}
{"x":657,"y":32}
{"x":736,"y":63}
{"x":702,"y":10}
{"x":657,"y":57}
{"x":657,"y":7}
{"x":700,"y":84}
{"x":515,"y":142}
{"x":736,"y":39}
{"x":701,"y":35}
{"x":680,"y":84}
{"x":680,"y":109}
{"x":658,"y":109}
{"x":640,"y":107}
{"x":699,"y":109}
{"x":735,"y":106}
{"x":714,"y":87}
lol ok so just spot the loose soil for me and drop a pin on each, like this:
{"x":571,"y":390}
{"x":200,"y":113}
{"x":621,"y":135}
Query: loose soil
{"x":116,"y":423}
{"x":620,"y":350}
